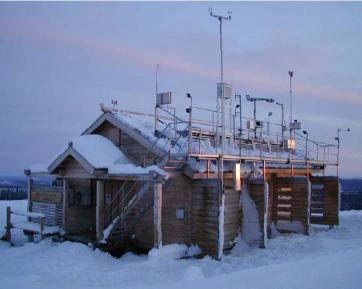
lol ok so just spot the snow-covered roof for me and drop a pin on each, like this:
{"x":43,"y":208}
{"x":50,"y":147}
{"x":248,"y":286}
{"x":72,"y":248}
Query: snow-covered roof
{"x":95,"y":152}
{"x":99,"y":151}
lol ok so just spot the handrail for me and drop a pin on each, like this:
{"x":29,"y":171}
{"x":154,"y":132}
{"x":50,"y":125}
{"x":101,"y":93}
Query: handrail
{"x":112,"y":210}
{"x":173,"y":115}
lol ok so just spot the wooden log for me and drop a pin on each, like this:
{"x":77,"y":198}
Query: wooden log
{"x":157,"y":215}
{"x":41,"y":227}
{"x":8,"y":225}
{"x":99,"y":209}
{"x":30,"y":183}
{"x":65,"y":201}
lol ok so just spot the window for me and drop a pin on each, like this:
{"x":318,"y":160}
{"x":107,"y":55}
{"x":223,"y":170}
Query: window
{"x":180,"y":213}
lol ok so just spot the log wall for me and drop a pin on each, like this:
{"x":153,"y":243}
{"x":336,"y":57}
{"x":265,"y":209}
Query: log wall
{"x":291,"y":199}
{"x":205,"y":219}
{"x":324,"y":208}
{"x":81,"y":219}
{"x":176,"y":195}
{"x":232,"y":214}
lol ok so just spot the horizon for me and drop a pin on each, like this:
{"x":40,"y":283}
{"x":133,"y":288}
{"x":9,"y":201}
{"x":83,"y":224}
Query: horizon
{"x":60,"y":60}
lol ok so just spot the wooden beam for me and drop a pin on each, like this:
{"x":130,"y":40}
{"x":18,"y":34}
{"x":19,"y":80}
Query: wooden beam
{"x":157,"y":214}
{"x":99,"y":209}
{"x":65,"y":201}
{"x":266,"y":213}
{"x":30,"y":183}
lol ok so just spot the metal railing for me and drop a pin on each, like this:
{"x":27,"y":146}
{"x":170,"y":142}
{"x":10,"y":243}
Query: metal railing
{"x":129,"y":193}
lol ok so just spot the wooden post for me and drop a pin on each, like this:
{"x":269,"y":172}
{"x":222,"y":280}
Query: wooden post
{"x":100,"y":209}
{"x":309,"y":196}
{"x":41,"y":227}
{"x":30,"y":183}
{"x":221,"y":214}
{"x":266,"y":212}
{"x":8,"y":224}
{"x":157,"y":214}
{"x":65,"y":201}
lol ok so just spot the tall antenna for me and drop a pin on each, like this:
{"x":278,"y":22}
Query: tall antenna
{"x":291,"y":73}
{"x":221,"y":18}
{"x":156,"y":116}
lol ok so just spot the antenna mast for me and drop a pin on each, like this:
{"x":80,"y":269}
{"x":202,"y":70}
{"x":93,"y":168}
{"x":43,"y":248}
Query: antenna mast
{"x":156,"y":116}
{"x":222,"y":100}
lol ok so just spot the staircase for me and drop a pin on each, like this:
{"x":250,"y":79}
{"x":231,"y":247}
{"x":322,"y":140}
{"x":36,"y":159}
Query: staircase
{"x":133,"y":200}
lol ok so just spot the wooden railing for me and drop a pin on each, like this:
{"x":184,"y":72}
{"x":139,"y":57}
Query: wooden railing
{"x":10,"y":225}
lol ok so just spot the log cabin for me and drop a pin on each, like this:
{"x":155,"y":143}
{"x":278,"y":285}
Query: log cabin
{"x":137,"y":180}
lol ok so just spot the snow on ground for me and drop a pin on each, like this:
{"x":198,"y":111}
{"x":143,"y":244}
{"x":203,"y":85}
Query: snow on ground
{"x":326,"y":259}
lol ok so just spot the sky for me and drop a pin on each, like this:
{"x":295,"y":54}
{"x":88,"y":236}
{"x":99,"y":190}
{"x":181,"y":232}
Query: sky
{"x":59,"y":60}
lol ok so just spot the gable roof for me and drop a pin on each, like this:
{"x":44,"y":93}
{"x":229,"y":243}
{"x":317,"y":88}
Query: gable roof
{"x":138,"y":129}
{"x":97,"y":153}
{"x":93,"y":152}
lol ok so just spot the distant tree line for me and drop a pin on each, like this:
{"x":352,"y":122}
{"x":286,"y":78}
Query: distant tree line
{"x":13,"y":194}
{"x":351,"y":201}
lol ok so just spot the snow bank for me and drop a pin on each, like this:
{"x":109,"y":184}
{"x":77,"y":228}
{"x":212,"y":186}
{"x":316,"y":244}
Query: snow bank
{"x":193,"y":250}
{"x":327,"y":259}
{"x":251,"y":232}
{"x":173,"y":251}
{"x":192,"y":273}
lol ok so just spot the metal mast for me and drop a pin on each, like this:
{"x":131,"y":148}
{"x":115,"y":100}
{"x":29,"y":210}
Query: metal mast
{"x":221,"y":18}
{"x":156,"y":74}
{"x":290,"y":72}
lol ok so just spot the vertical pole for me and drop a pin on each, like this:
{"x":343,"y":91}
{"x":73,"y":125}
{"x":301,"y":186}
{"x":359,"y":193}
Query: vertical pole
{"x":157,"y":214}
{"x":234,"y":128}
{"x":156,"y":116}
{"x":30,"y":183}
{"x":8,"y":224}
{"x":254,"y":119}
{"x":338,"y":153}
{"x":190,"y":128}
{"x":65,"y":201}
{"x":290,"y":72}
{"x":317,"y":151}
{"x":41,"y":227}
{"x":266,"y":212}
{"x":221,"y":207}
{"x":99,"y":209}
{"x":240,"y":118}
{"x":222,"y":92}
{"x":282,"y":126}
{"x":290,"y":117}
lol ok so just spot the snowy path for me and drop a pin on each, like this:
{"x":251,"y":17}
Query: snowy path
{"x":326,"y":259}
